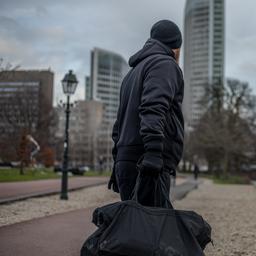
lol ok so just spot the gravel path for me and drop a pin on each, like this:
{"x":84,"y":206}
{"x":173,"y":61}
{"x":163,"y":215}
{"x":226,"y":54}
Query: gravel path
{"x":45,"y":206}
{"x":231,"y":211}
{"x":16,"y":191}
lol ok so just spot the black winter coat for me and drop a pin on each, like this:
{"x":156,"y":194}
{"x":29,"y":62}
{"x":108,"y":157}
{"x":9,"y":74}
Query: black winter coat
{"x":149,"y":120}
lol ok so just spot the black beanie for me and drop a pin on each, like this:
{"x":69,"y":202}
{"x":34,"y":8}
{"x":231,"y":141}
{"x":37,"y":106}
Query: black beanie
{"x":168,"y":33}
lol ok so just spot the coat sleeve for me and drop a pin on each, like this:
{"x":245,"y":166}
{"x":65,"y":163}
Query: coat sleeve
{"x":115,"y":134}
{"x":115,"y":138}
{"x":159,"y":88}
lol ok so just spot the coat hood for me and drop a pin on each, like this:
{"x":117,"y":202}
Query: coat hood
{"x":151,"y":47}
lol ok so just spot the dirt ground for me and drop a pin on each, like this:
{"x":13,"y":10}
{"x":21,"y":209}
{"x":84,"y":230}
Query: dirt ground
{"x":231,"y":211}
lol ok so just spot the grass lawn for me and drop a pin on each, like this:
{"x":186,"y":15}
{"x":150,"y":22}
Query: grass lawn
{"x":13,"y":174}
{"x":232,"y":179}
{"x":97,"y":174}
{"x":228,"y":180}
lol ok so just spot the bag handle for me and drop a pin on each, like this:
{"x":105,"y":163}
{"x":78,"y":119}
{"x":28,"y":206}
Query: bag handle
{"x":159,"y":187}
{"x":164,"y":191}
{"x":134,"y":195}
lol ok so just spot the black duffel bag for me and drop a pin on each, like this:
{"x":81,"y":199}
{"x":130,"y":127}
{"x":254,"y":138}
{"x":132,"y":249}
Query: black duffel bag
{"x":128,"y":228}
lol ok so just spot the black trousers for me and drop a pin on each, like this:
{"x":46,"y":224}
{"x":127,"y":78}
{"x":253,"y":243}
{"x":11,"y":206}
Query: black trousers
{"x":126,"y":175}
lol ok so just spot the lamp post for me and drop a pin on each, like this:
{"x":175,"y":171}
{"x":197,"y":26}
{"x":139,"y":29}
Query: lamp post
{"x":69,"y":84}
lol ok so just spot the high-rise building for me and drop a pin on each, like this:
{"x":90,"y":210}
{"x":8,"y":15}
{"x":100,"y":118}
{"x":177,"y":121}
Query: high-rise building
{"x":203,"y":54}
{"x":107,"y":72}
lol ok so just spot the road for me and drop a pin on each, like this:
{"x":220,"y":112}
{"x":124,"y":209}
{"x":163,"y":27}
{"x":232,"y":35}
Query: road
{"x":14,"y":191}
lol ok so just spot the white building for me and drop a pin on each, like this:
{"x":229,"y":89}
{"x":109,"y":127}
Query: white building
{"x":203,"y":53}
{"x":107,"y":72}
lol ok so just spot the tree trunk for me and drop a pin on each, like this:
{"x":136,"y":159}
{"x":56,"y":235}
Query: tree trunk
{"x":22,"y":167}
{"x":226,"y":164}
{"x":184,"y":168}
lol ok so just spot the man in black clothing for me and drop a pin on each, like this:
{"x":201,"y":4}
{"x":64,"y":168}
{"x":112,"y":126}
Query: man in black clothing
{"x":149,"y":131}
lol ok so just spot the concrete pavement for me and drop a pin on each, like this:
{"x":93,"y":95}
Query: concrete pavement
{"x":56,"y":235}
{"x":182,"y":189}
{"x":15,"y":191}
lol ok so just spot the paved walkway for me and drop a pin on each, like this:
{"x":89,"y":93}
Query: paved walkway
{"x":56,"y":235}
{"x":182,"y":188}
{"x":14,"y":191}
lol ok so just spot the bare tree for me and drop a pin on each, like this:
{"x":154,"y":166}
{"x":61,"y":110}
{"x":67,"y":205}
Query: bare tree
{"x":224,"y":134}
{"x":7,"y":66}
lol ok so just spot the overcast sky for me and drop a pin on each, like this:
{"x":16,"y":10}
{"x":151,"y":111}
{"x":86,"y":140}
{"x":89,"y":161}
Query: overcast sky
{"x":60,"y":34}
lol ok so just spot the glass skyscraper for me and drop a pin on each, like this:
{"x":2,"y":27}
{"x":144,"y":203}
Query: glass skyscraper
{"x":203,"y":53}
{"x":107,"y":72}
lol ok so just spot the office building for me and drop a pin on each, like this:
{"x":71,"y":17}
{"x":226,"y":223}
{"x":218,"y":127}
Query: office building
{"x":26,"y":102}
{"x":107,"y":72}
{"x":203,"y":54}
{"x":88,"y":91}
{"x":85,"y":124}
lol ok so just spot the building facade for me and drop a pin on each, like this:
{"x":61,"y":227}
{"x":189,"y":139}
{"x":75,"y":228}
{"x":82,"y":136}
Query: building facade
{"x":88,"y":88}
{"x":107,"y":72}
{"x":85,"y":124}
{"x":204,"y":40}
{"x":26,"y":102}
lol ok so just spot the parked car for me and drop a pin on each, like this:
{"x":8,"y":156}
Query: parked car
{"x":248,"y":168}
{"x":84,"y":168}
{"x":57,"y":168}
{"x":79,"y":170}
{"x":6,"y":165}
{"x":75,"y":170}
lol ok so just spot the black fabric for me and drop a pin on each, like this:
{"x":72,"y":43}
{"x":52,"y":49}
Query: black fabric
{"x":126,"y":175}
{"x":128,"y":228}
{"x":168,"y":33}
{"x":149,"y":120}
{"x":112,"y":184}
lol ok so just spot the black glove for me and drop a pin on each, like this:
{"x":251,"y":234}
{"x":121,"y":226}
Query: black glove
{"x":149,"y":171}
{"x":112,"y":184}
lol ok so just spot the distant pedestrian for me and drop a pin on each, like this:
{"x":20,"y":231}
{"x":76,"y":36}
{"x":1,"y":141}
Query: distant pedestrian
{"x":196,"y":171}
{"x":101,"y":164}
{"x":149,"y":129}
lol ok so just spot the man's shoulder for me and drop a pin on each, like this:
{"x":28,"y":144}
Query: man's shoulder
{"x":164,"y":62}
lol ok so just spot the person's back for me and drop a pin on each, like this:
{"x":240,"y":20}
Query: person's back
{"x":149,"y":128}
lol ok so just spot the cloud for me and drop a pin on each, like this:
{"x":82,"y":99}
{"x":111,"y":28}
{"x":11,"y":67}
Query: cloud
{"x":10,"y":28}
{"x":60,"y":34}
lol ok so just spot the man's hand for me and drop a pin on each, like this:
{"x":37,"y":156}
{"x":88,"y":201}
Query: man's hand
{"x":112,"y":184}
{"x":149,"y":171}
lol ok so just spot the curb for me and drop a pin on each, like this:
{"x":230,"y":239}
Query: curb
{"x":50,"y":193}
{"x":183,"y":190}
{"x":180,"y":191}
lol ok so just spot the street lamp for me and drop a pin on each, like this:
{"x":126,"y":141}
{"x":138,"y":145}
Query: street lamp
{"x":69,"y":84}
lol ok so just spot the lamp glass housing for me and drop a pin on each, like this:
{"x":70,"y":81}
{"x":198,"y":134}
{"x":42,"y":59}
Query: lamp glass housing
{"x":69,"y":83}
